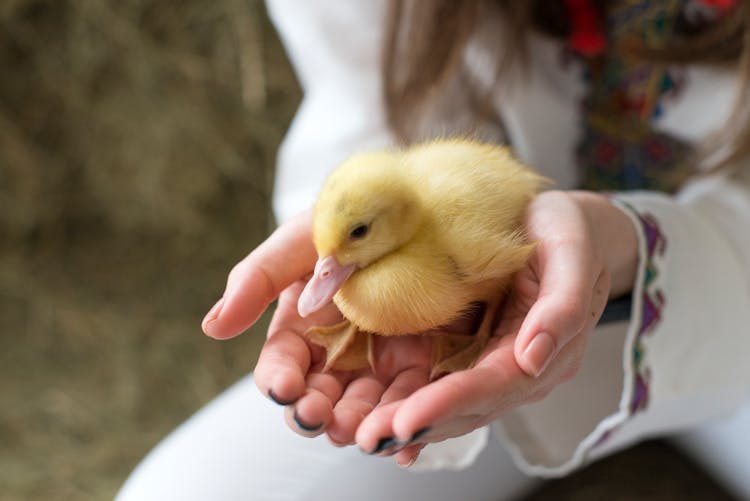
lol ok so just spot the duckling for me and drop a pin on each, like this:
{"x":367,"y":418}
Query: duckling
{"x":410,"y":241}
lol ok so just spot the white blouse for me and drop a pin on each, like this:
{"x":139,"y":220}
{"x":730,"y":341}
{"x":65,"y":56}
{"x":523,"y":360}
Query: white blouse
{"x":683,"y":356}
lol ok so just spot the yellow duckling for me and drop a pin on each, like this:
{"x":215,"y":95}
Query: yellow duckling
{"x":409,"y":241}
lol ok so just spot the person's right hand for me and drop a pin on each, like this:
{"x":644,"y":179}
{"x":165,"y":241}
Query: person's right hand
{"x":289,"y":369}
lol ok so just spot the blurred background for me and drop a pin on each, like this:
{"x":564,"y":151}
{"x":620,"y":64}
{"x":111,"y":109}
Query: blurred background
{"x":137,"y":141}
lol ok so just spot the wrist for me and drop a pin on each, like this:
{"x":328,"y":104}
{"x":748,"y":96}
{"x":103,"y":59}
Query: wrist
{"x":615,"y":237}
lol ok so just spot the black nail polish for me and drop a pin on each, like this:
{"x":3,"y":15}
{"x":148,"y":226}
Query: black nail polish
{"x":398,"y":448}
{"x":419,"y":434}
{"x":276,"y":399}
{"x":383,"y":444}
{"x":304,"y":426}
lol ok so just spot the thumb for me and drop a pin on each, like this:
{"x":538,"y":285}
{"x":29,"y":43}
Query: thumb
{"x":549,"y":326}
{"x":285,"y":257}
{"x":562,"y":308}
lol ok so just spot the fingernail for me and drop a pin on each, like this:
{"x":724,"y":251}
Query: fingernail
{"x":304,"y":426}
{"x":413,"y":458}
{"x":402,"y":445}
{"x":214,"y":312}
{"x":279,"y":401}
{"x":539,"y":353}
{"x":419,"y":434}
{"x":337,"y":443}
{"x":383,"y":444}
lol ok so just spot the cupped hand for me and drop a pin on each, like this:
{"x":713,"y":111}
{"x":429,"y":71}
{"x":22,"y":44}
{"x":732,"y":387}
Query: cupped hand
{"x":585,"y":253}
{"x":289,"y":367}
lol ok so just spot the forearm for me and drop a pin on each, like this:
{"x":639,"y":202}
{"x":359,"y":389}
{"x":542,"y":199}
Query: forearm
{"x":684,"y":348}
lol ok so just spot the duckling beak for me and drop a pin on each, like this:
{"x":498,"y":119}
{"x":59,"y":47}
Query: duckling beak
{"x":327,"y":278}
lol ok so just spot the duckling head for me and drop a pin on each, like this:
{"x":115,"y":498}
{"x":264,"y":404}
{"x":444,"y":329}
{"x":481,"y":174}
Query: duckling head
{"x":366,"y":210}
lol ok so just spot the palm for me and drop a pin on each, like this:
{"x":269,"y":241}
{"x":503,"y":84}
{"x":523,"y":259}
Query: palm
{"x":402,"y":368}
{"x":338,"y":401}
{"x":395,"y":354}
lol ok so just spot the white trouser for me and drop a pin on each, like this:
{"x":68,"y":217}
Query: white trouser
{"x":238,"y":448}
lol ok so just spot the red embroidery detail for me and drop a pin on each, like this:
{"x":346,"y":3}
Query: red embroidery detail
{"x":587,"y":34}
{"x":722,"y":5}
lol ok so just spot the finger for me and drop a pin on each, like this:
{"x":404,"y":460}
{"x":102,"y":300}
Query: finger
{"x":408,"y":455}
{"x":286,"y":256}
{"x":567,"y":275}
{"x":282,"y":366}
{"x":285,"y":359}
{"x":464,"y":397}
{"x":312,"y":412}
{"x":568,"y":361}
{"x":375,"y":433}
{"x":463,"y":401}
{"x":359,"y":399}
{"x":405,"y":383}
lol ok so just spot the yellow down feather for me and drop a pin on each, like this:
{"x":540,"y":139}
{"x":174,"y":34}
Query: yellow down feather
{"x":444,"y":231}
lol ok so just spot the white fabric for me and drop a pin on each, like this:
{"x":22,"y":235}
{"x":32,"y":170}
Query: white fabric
{"x":334,"y":47}
{"x":722,"y":447}
{"x":540,"y":110}
{"x":693,"y":359}
{"x":548,"y":441}
{"x":694,"y":355}
{"x":238,"y":448}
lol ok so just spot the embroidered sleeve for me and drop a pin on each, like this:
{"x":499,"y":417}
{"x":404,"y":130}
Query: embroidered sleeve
{"x":679,"y":361}
{"x":647,"y":307}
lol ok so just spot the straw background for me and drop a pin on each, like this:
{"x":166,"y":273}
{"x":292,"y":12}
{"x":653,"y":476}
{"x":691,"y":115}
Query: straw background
{"x":137,"y":140}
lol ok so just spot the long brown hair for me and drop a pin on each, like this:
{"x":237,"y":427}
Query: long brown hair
{"x":426,"y":42}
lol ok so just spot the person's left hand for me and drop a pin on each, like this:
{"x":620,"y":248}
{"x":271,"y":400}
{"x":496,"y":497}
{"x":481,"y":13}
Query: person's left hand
{"x":586,"y":252}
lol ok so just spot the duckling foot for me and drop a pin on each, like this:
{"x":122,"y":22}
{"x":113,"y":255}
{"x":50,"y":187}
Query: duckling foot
{"x":455,"y":352}
{"x":347,"y":348}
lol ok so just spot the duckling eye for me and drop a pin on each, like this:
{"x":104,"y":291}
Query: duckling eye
{"x":359,"y":231}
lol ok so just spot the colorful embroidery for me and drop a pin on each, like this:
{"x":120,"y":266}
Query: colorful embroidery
{"x":652,"y":305}
{"x":619,"y":149}
{"x":640,"y":392}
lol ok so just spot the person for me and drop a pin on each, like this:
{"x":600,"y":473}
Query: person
{"x":630,"y":320}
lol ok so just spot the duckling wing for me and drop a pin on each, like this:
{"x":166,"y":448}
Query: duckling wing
{"x":476,"y":196}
